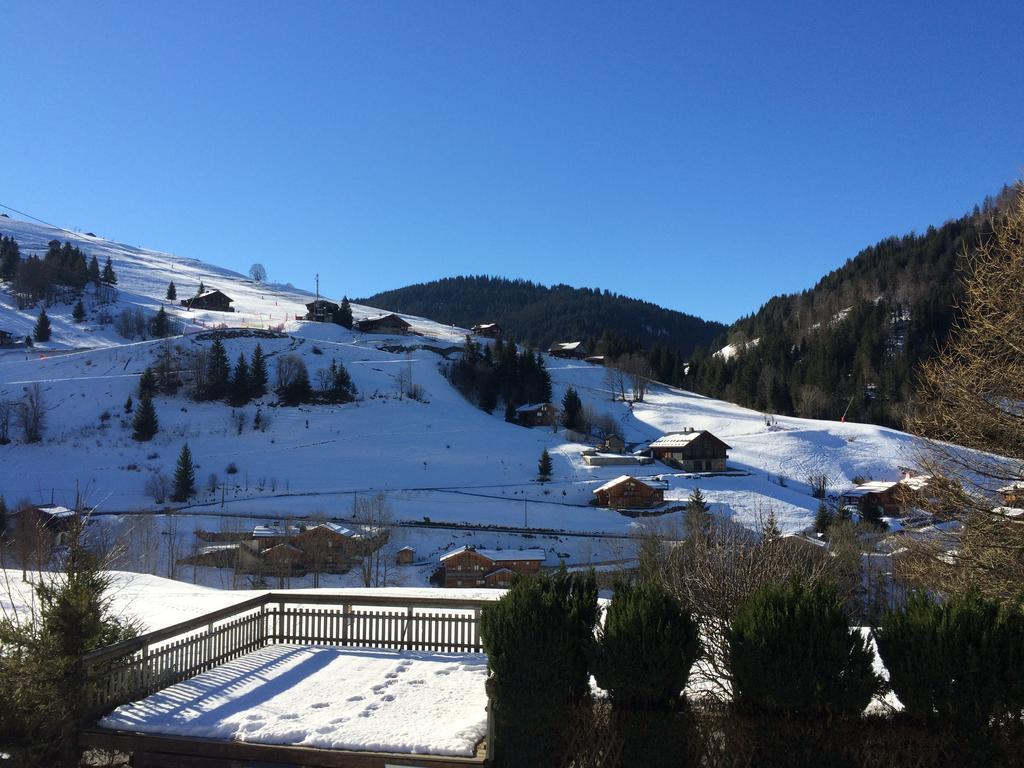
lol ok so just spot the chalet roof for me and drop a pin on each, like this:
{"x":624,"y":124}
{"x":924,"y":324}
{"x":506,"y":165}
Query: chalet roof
{"x":322,"y":303}
{"x":531,"y":407}
{"x":335,"y":528}
{"x":565,"y":346}
{"x":209,"y":293}
{"x":1012,"y":487}
{"x":682,"y":439}
{"x":386,"y":316}
{"x":500,"y":555}
{"x":55,"y":510}
{"x":283,"y":547}
{"x":273,"y":531}
{"x":484,"y":326}
{"x":866,"y":489}
{"x":650,"y":483}
{"x":407,"y":549}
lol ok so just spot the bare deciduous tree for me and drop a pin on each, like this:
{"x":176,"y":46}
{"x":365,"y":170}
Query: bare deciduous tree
{"x":374,"y":517}
{"x":972,"y":395}
{"x":7,"y":411}
{"x":32,"y":414}
{"x":258,"y":272}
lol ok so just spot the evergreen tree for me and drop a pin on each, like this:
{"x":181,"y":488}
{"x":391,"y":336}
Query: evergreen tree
{"x":108,"y":277}
{"x":145,"y":424}
{"x":147,"y":383}
{"x":42,"y":330}
{"x":293,"y":380}
{"x":172,"y":292}
{"x":698,"y":518}
{"x":793,"y":652}
{"x":343,"y":316}
{"x":258,"y":373}
{"x":544,"y":466}
{"x":823,"y":518}
{"x":240,"y":389}
{"x":78,"y":313}
{"x":510,"y":412}
{"x":94,"y":270}
{"x":572,"y":410}
{"x":201,"y":288}
{"x":340,"y":386}
{"x":218,"y":372}
{"x":160,"y":326}
{"x":184,"y":476}
{"x":128,"y":405}
{"x":10,"y":258}
{"x":770,"y":530}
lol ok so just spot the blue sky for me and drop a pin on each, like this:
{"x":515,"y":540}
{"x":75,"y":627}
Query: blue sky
{"x":701,"y":156}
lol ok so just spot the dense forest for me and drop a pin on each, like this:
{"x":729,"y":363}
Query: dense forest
{"x":852,"y":344}
{"x":538,"y":315}
{"x":849,"y":346}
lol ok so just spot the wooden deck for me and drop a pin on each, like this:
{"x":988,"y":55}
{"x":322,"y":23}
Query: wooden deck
{"x":141,"y":666}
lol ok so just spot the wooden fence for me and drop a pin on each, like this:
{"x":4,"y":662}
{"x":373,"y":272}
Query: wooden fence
{"x":138,"y":667}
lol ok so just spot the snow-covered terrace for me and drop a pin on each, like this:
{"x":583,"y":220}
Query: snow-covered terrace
{"x":323,"y":679}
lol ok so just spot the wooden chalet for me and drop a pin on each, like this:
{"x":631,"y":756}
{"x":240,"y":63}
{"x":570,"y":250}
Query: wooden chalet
{"x":6,"y":338}
{"x":570,"y":349}
{"x":472,"y":567}
{"x":691,"y":451}
{"x":626,"y":491}
{"x":214,"y":300}
{"x":895,"y":498}
{"x":489,"y":330}
{"x":45,"y":523}
{"x":389,"y":323}
{"x":613,"y":444}
{"x":536,"y":415}
{"x":321,"y":311}
{"x":405,"y":556}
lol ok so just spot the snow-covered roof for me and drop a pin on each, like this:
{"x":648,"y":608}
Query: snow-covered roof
{"x":273,"y":531}
{"x":210,"y":292}
{"x":385,"y":316}
{"x":484,"y":326}
{"x":1013,"y":487}
{"x":874,"y":486}
{"x":650,"y":483}
{"x":500,"y":555}
{"x":679,"y":439}
{"x":335,"y":528}
{"x":566,"y":346}
{"x":531,"y":407}
{"x":55,"y":510}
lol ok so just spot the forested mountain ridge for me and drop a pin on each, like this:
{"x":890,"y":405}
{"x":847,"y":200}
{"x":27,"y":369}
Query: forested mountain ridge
{"x":852,"y":343}
{"x":540,"y":315}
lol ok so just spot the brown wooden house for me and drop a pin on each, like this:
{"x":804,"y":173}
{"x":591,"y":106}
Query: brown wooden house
{"x":390,"y":323}
{"x":894,"y":497}
{"x":613,"y":444}
{"x":6,"y":338}
{"x":536,"y":415}
{"x":472,"y":567}
{"x":329,"y":547}
{"x":490,"y":330}
{"x":321,"y":311}
{"x":405,"y":556}
{"x":570,"y":349}
{"x":691,"y":451}
{"x":214,"y":300}
{"x":626,"y":491}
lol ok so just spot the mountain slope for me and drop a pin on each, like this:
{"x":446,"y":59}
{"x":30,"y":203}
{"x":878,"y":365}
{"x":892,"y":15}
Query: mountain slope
{"x":539,"y":315}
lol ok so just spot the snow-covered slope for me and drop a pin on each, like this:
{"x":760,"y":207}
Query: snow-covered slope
{"x":442,"y":459}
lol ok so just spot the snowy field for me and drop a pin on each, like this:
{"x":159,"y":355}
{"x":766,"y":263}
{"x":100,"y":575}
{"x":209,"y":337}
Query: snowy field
{"x":330,"y":698}
{"x":440,"y":460}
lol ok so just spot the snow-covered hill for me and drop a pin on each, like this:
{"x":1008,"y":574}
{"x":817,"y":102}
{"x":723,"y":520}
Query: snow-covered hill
{"x":442,"y":459}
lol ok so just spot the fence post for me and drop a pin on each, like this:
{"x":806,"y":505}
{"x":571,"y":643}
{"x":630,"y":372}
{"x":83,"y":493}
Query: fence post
{"x":408,"y":629}
{"x":280,"y":621}
{"x":346,"y":609}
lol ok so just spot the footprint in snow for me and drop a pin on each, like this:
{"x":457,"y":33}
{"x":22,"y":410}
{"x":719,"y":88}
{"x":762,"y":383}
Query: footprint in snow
{"x":355,"y":698}
{"x":389,"y":697}
{"x":338,"y":720}
{"x":319,"y":705}
{"x":288,"y":717}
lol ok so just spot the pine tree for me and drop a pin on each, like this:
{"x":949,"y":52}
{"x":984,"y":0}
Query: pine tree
{"x":240,"y":389}
{"x":160,"y":326}
{"x":128,"y":405}
{"x":572,"y":410}
{"x":108,"y":277}
{"x":42,"y":330}
{"x":78,"y":313}
{"x":94,"y":271}
{"x":544,"y":466}
{"x":10,"y":258}
{"x":510,"y":412}
{"x":201,"y":287}
{"x":343,"y":316}
{"x":698,"y":519}
{"x":342,"y":390}
{"x":258,"y":373}
{"x":823,"y":518}
{"x":172,"y":292}
{"x":147,"y":383}
{"x":145,"y":424}
{"x":184,"y":476}
{"x":770,"y":530}
{"x":218,"y":371}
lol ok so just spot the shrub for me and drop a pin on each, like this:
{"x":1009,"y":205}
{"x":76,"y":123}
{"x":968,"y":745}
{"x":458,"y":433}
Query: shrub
{"x":955,"y":662}
{"x":534,"y":652}
{"x":792,"y":651}
{"x":644,"y":653}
